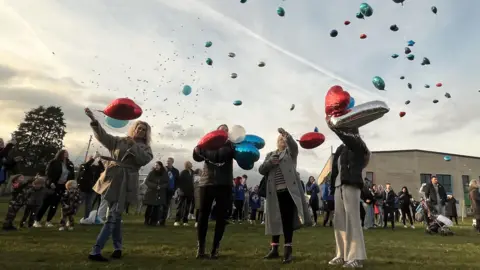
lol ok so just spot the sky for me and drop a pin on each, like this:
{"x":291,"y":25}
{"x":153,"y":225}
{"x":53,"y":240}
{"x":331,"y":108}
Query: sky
{"x":78,"y":54}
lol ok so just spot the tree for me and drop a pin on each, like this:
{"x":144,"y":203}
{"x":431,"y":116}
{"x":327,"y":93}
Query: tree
{"x":39,"y":137}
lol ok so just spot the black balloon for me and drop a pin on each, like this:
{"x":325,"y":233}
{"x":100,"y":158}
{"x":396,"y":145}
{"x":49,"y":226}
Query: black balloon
{"x":434,"y":10}
{"x":435,"y":101}
{"x":399,"y":1}
{"x":425,"y":61}
{"x":447,"y":95}
{"x":407,"y":102}
{"x":402,"y":77}
{"x":409,"y":86}
{"x":407,"y":50}
{"x":394,"y":28}
{"x":334,"y":33}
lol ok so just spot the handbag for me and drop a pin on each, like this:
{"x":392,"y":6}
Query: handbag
{"x":262,"y":187}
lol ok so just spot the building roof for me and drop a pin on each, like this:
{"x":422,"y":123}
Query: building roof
{"x":423,"y":151}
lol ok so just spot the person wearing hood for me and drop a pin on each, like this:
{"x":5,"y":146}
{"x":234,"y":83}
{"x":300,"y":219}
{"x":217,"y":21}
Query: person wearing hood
{"x":404,"y":201}
{"x":451,"y":208}
{"x":156,"y":195}
{"x":473,"y":192}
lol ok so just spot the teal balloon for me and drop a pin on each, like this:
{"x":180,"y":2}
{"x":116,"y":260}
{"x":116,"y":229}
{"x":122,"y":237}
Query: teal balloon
{"x":243,"y":1}
{"x":246,"y":165}
{"x":359,"y":15}
{"x":187,"y":90}
{"x":411,"y":57}
{"x":237,"y":102}
{"x":394,"y":55}
{"x":281,"y":11}
{"x":366,"y":10}
{"x":427,"y":86}
{"x":352,"y":103}
{"x":209,"y":61}
{"x":246,"y":153}
{"x":255,"y":140}
{"x":115,"y":123}
{"x":208,"y":44}
{"x":447,"y":158}
{"x":378,"y":82}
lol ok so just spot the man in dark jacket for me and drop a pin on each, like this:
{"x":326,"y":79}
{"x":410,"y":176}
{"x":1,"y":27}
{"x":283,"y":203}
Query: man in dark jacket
{"x":88,"y":174}
{"x":215,"y":184}
{"x":173,"y":175}
{"x":388,"y":206}
{"x":186,"y":192}
{"x":436,"y":195}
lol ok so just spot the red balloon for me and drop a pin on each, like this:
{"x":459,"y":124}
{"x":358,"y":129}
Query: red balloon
{"x":311,"y":140}
{"x":347,"y":22}
{"x":123,"y":109}
{"x":336,"y":101}
{"x":402,"y":114}
{"x":363,"y":36}
{"x":213,"y":140}
{"x":439,"y":84}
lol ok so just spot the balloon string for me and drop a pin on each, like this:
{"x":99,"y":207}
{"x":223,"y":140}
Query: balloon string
{"x":211,"y":162}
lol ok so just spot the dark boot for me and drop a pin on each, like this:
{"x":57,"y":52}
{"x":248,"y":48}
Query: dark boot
{"x":116,"y":254}
{"x":9,"y":227}
{"x":287,"y":254}
{"x":214,"y":253}
{"x":273,"y":253}
{"x":200,"y":251}
{"x":97,"y":258}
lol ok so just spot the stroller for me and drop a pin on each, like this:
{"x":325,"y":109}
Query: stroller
{"x":433,"y":223}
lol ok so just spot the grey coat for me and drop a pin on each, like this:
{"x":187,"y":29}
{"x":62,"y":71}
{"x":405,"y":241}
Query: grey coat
{"x":288,"y":165}
{"x":119,"y":182}
{"x":157,"y":185}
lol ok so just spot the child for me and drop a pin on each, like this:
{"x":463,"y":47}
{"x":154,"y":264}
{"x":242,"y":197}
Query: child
{"x":19,"y":198}
{"x":255,"y":204}
{"x":36,"y":195}
{"x":70,"y":201}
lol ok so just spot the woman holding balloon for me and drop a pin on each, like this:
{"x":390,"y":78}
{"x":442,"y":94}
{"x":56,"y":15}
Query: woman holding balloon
{"x":286,"y":208}
{"x":215,"y":184}
{"x":118,"y":183}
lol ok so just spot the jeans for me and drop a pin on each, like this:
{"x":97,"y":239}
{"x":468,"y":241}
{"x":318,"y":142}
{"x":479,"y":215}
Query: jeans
{"x":183,"y":209}
{"x":113,"y":227}
{"x":369,"y":216}
{"x":88,"y":198}
{"x":163,"y":209}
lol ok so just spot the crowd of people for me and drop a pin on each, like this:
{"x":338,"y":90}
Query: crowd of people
{"x":282,"y":202}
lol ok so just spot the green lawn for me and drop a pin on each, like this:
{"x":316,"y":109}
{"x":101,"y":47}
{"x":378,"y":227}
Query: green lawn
{"x":242,"y":248}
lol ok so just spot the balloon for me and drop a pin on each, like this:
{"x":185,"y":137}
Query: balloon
{"x":411,"y":57}
{"x":363,"y":36}
{"x":346,"y":22}
{"x":246,"y":153}
{"x":402,"y":114}
{"x":359,"y":15}
{"x":234,"y":75}
{"x":439,"y":84}
{"x":246,"y":166}
{"x":407,"y":102}
{"x":236,"y":134}
{"x":231,"y":55}
{"x":315,"y":129}
{"x":435,"y":101}
{"x":261,"y":64}
{"x":123,"y":109}
{"x":213,"y":140}
{"x":187,"y":90}
{"x":243,"y":1}
{"x":336,"y":100}
{"x":409,"y":85}
{"x":208,"y":44}
{"x":360,"y":115}
{"x":407,"y":50}
{"x":434,"y":10}
{"x":447,"y":158}
{"x":411,"y":43}
{"x":402,"y":77}
{"x":334,"y":33}
{"x":281,"y":11}
{"x":292,"y":107}
{"x":426,"y":61}
{"x":399,"y":1}
{"x":366,"y":10}
{"x":378,"y":82}
{"x":394,"y":55}
{"x":209,"y":61}
{"x":427,"y":86}
{"x":255,"y":140}
{"x":447,"y":95}
{"x":237,"y":102}
{"x":114,"y":123}
{"x":311,"y":140}
{"x":394,"y":27}
{"x":351,"y":103}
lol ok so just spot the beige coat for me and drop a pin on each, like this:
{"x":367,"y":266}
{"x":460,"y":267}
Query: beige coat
{"x":288,"y":165}
{"x":119,"y":182}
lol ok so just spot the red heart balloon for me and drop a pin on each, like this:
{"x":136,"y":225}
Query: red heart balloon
{"x":123,"y":109}
{"x":402,"y":114}
{"x":311,"y":140}
{"x":213,"y":140}
{"x":336,"y":101}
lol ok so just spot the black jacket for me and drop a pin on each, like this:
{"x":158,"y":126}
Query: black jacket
{"x":185,"y":183}
{"x":354,"y":157}
{"x":404,"y":199}
{"x":451,"y":208}
{"x":88,"y":175}
{"x":367,"y":194}
{"x":431,"y":194}
{"x":176,"y":175}
{"x":54,"y":171}
{"x":218,"y":166}
{"x":390,"y":200}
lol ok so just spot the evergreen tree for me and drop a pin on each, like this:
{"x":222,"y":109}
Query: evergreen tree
{"x":39,"y":137}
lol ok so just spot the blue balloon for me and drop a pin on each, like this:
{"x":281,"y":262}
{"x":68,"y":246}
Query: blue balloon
{"x":246,"y":166}
{"x":258,"y":142}
{"x":315,"y":129}
{"x":187,"y":90}
{"x":411,"y":43}
{"x":352,"y":103}
{"x":115,"y":123}
{"x":246,"y":153}
{"x":237,"y":102}
{"x":447,"y":158}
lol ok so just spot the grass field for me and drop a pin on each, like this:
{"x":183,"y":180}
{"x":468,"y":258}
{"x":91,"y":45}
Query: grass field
{"x":242,"y":248}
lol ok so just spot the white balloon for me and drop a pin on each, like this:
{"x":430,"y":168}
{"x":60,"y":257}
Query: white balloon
{"x":236,"y":134}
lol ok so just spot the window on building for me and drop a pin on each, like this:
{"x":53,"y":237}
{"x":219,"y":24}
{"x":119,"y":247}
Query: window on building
{"x":446,"y":181}
{"x":465,"y":183}
{"x":425,"y":178}
{"x":369,"y":175}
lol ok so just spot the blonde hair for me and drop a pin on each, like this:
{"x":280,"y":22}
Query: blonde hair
{"x":473,"y":183}
{"x":71,"y":184}
{"x":148,"y":132}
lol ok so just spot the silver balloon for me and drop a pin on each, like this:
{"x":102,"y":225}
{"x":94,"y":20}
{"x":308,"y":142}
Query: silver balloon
{"x":360,"y":115}
{"x":261,"y":64}
{"x":232,"y":55}
{"x":234,"y":75}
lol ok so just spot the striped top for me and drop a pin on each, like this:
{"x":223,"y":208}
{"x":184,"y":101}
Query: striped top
{"x":279,"y":179}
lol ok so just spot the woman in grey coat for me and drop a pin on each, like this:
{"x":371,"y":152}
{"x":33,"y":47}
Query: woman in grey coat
{"x":118,"y":184}
{"x":286,"y":208}
{"x":157,"y":185}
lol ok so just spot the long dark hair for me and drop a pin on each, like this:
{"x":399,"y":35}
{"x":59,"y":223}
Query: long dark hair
{"x":406,"y":190}
{"x":60,"y":154}
{"x":162,"y":168}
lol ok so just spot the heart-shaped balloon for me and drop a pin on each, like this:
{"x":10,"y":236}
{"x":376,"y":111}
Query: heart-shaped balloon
{"x":336,"y":101}
{"x":213,"y":140}
{"x":123,"y":109}
{"x":311,"y":140}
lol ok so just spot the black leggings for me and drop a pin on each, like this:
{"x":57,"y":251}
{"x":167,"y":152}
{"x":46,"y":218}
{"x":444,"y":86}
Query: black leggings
{"x":253,"y":214}
{"x":388,"y":213}
{"x":362,"y":214}
{"x":151,"y":215}
{"x":260,"y":215}
{"x":287,"y":212}
{"x":223,"y":198}
{"x":238,"y":213}
{"x":456,"y":219}
{"x":478,"y":224}
{"x":406,"y":213}
{"x":50,"y":203}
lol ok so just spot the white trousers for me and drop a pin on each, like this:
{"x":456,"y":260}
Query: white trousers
{"x":347,"y":224}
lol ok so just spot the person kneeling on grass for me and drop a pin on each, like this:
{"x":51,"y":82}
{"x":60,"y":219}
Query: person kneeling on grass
{"x":70,"y":201}
{"x":20,"y":196}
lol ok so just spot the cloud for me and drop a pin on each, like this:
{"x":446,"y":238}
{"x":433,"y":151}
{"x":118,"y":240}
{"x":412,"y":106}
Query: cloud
{"x":6,"y":73}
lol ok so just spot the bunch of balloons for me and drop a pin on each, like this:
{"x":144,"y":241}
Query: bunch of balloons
{"x":247,"y":151}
